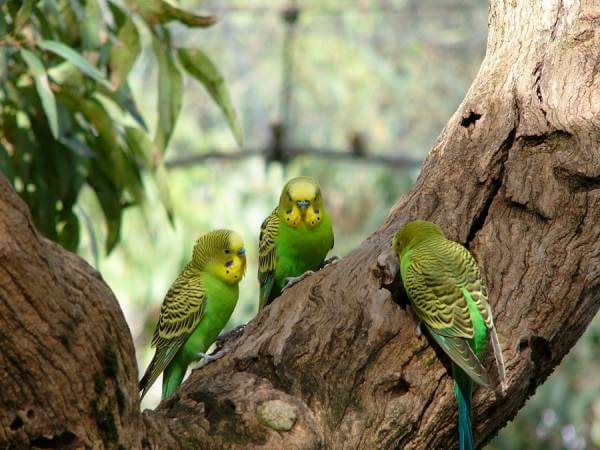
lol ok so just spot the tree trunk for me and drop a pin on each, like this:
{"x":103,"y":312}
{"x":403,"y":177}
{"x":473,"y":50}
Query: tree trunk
{"x":335,"y":362}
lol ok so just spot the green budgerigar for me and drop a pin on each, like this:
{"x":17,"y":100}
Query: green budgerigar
{"x":448,"y":294}
{"x":196,"y":308}
{"x":294,"y":239}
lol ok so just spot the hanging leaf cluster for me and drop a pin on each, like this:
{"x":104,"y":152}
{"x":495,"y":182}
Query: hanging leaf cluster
{"x":67,"y":114}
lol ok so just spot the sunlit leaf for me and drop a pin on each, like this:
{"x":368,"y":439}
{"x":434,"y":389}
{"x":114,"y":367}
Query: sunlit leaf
{"x":170,"y":92}
{"x":71,"y":55}
{"x":199,"y":65}
{"x":124,"y":53}
{"x":43,"y":88}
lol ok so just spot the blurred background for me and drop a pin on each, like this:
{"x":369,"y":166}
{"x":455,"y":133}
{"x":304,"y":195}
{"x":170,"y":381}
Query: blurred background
{"x":353,"y":93}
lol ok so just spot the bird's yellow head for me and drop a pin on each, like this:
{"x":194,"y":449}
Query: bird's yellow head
{"x":301,"y":203}
{"x":222,"y":253}
{"x":414,"y":232}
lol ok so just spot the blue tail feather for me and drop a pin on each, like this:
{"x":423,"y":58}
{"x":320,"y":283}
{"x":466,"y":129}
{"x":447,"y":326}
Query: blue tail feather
{"x":462,"y":392}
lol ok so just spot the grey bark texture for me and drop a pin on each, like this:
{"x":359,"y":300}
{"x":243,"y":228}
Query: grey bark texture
{"x":335,"y":362}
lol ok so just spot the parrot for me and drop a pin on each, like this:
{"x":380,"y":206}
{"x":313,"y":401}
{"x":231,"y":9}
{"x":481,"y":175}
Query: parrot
{"x":196,"y":308}
{"x":294,"y":239}
{"x":449,"y":296}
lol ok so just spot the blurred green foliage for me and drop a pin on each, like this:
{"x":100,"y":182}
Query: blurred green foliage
{"x":67,"y":115}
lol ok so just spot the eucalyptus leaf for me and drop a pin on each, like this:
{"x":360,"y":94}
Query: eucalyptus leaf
{"x":170,"y":93}
{"x":71,"y":55}
{"x":159,"y":11}
{"x":140,"y":144}
{"x":198,"y":64}
{"x":92,"y":26}
{"x":124,"y":53}
{"x":43,"y":88}
{"x":151,"y":157}
{"x":23,"y":14}
{"x":162,"y":182}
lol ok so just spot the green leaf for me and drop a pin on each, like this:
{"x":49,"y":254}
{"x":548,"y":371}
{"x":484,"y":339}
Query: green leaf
{"x":151,"y":157}
{"x":23,"y":14}
{"x":199,"y":65}
{"x":141,"y":146}
{"x":93,"y":26}
{"x":159,"y":11}
{"x":43,"y":88}
{"x":170,"y":93}
{"x":119,"y":16}
{"x":162,"y":182}
{"x":6,"y":164}
{"x":68,"y":232}
{"x":124,"y":53}
{"x":170,"y":12}
{"x":71,"y":55}
{"x":124,"y":99}
{"x":110,"y":202}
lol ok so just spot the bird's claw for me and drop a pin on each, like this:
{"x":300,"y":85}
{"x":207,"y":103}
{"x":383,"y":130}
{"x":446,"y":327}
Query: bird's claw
{"x":330,"y":260}
{"x":290,"y":281}
{"x":418,"y":330}
{"x":230,"y":335}
{"x":210,"y":358}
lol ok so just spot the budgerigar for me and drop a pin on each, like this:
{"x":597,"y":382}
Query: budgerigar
{"x":196,"y":308}
{"x":448,"y":294}
{"x":294,"y":239}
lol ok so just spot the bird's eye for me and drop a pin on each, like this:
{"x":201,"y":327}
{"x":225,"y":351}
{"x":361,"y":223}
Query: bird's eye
{"x":229,"y":263}
{"x":227,"y":251}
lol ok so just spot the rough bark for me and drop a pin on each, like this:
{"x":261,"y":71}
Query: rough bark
{"x":515,"y":176}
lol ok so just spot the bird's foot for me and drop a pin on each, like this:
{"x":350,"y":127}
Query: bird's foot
{"x":290,"y":281}
{"x":210,"y":358}
{"x":418,"y":330}
{"x":230,"y":335}
{"x":330,"y":260}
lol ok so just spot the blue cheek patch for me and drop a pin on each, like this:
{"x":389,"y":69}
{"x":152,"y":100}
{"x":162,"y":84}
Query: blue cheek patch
{"x":229,"y":263}
{"x":316,"y":210}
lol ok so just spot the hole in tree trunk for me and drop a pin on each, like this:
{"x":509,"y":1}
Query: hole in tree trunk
{"x":16,"y":424}
{"x":63,"y":440}
{"x":470,"y":119}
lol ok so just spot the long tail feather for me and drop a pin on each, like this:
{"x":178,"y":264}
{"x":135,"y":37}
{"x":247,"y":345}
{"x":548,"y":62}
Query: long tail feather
{"x":498,"y":355}
{"x":462,"y":391}
{"x":148,"y":378}
{"x":172,"y":378}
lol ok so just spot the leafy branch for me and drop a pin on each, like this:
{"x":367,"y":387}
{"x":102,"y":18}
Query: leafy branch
{"x":68,"y":118}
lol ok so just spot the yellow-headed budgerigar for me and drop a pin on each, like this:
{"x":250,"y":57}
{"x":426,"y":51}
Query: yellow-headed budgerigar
{"x":294,"y":239}
{"x":196,"y":308}
{"x":448,"y":294}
